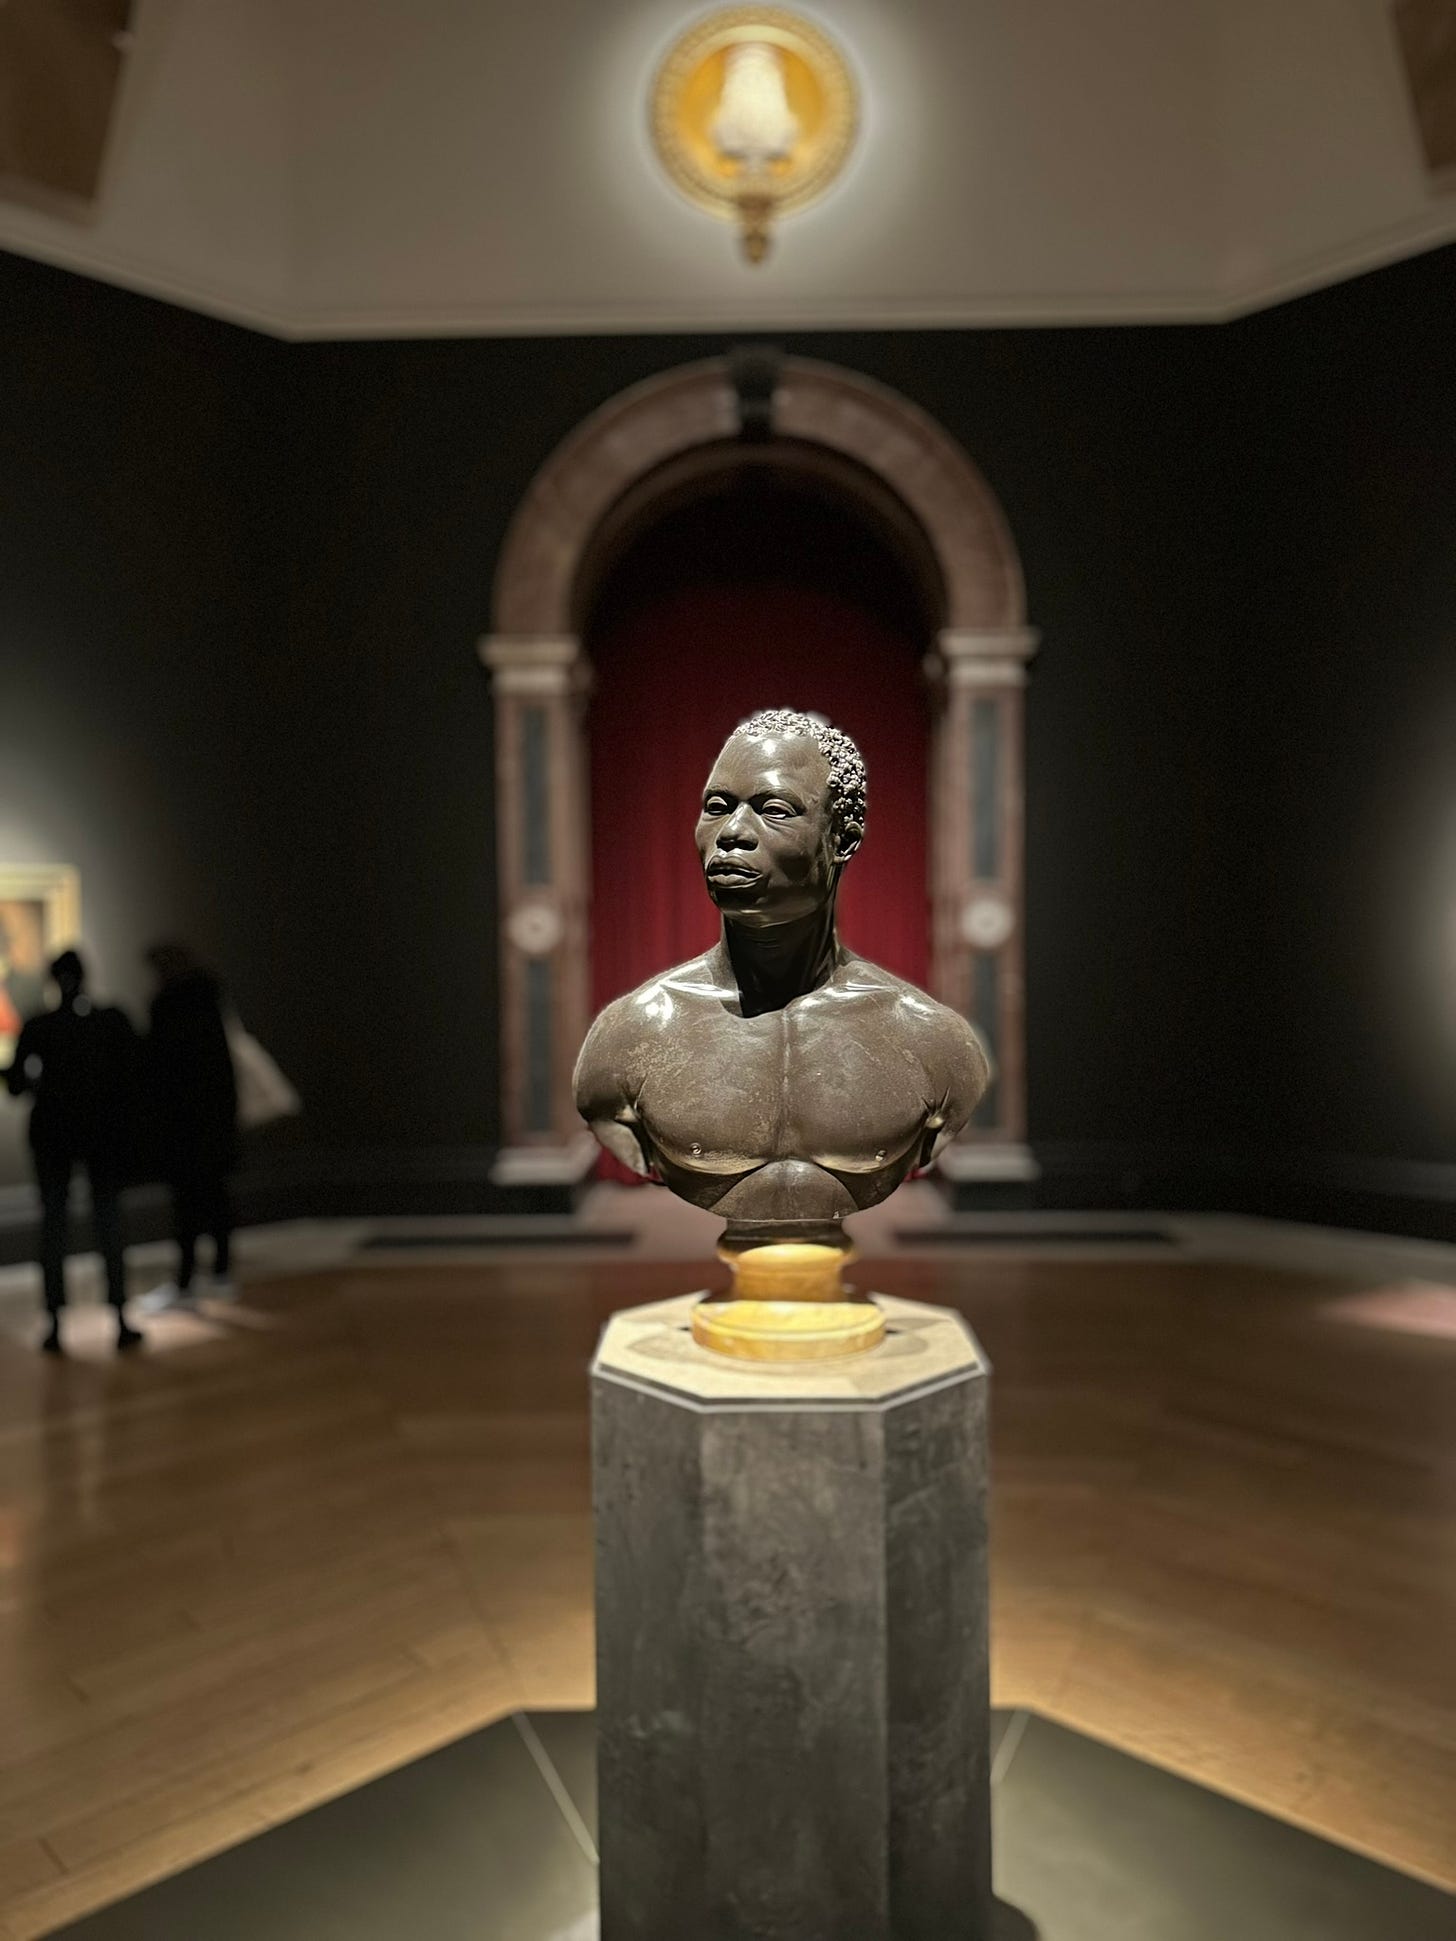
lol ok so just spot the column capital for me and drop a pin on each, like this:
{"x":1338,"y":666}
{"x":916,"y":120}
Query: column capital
{"x":983,"y":657}
{"x":541,"y":664}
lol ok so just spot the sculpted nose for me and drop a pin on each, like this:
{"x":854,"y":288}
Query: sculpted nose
{"x":737,"y":832}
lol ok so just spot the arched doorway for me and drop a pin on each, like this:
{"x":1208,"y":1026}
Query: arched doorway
{"x":758,"y":589}
{"x":937,"y":627}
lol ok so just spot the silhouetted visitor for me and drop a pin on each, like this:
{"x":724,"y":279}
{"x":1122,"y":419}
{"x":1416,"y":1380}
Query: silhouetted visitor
{"x":193,"y":1104}
{"x":78,"y":1063}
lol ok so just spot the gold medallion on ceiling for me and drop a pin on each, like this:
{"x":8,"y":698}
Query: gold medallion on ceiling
{"x":754,"y":113}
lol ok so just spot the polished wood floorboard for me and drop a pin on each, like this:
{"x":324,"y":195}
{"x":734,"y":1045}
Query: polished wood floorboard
{"x":295,"y":1545}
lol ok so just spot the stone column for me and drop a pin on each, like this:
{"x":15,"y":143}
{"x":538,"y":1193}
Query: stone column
{"x":540,"y":685}
{"x":977,"y":899}
{"x":792,"y":1692}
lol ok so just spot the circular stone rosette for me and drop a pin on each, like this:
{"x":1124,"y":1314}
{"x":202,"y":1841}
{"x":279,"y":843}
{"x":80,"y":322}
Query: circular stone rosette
{"x":534,"y":928}
{"x":987,"y":922}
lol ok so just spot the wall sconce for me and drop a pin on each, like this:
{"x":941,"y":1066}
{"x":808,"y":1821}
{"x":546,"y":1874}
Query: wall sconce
{"x":754,"y":113}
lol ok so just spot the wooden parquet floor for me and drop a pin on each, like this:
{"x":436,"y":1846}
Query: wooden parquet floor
{"x":283,"y":1551}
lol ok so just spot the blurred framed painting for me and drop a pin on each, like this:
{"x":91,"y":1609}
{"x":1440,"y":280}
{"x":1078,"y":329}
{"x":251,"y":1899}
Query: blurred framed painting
{"x":40,"y":913}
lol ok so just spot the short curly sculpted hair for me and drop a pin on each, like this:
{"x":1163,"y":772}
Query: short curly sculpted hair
{"x":848,"y":780}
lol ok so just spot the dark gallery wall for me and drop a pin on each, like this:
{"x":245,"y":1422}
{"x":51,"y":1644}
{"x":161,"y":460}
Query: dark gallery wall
{"x":1341,"y":618}
{"x":241,"y":584}
{"x":141,"y":537}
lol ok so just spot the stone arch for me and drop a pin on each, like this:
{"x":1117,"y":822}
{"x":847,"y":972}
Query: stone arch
{"x":723,"y":406}
{"x":696,"y":405}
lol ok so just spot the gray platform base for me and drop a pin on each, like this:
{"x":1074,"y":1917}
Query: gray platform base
{"x":493,"y":1839}
{"x":793,"y":1691}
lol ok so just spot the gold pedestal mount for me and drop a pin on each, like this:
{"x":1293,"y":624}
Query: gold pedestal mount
{"x":788,"y":1303}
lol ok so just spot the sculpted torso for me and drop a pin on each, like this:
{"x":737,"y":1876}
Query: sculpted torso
{"x":779,"y":1079}
{"x":805,"y":1113}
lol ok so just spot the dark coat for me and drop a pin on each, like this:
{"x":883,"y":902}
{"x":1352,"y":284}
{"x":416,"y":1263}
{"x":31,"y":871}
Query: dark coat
{"x":79,"y":1063}
{"x":192,"y":1095}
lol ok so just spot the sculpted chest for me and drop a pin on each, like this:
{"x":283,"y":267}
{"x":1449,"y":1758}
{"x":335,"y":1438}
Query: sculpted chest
{"x":721,"y":1093}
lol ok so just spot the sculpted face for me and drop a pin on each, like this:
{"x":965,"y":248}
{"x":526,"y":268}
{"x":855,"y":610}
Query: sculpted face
{"x":766,"y":836}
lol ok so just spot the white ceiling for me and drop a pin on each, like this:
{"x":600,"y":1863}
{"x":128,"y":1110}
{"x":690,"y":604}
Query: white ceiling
{"x":392,"y":167}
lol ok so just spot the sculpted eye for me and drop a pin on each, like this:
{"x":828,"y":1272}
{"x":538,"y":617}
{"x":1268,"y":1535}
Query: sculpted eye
{"x":778,"y":808}
{"x":715,"y":805}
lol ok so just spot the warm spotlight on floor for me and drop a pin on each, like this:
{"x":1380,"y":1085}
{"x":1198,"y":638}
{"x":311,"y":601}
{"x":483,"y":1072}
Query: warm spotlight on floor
{"x":1408,"y":1307}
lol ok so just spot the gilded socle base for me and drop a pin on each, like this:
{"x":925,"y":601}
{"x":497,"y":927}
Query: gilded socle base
{"x":787,"y":1330}
{"x":788,"y":1302}
{"x":792,"y":1694}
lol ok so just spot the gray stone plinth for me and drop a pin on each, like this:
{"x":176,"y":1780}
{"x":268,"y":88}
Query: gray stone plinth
{"x":792,"y":1694}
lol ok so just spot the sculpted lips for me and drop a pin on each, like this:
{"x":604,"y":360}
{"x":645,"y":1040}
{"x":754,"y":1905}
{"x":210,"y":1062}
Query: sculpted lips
{"x":732,"y":873}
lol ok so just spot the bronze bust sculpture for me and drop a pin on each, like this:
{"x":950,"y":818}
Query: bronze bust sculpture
{"x":779,"y":1079}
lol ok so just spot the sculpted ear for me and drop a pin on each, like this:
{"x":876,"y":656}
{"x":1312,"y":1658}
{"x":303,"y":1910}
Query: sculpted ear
{"x":849,"y":839}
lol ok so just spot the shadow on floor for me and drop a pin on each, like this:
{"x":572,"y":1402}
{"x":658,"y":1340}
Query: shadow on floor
{"x":495,"y":1836}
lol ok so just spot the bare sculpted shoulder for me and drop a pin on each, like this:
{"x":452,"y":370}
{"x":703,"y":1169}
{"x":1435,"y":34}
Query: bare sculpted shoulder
{"x":944,"y":1046}
{"x":626,"y":1040}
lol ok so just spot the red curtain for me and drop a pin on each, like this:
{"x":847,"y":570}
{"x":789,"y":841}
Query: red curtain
{"x":675,"y":673}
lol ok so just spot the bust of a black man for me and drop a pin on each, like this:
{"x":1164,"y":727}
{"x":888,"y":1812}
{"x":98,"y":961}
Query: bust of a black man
{"x":779,"y":1080}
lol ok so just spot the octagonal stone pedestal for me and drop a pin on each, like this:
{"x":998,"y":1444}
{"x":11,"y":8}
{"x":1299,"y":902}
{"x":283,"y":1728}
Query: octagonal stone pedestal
{"x":792,"y":1692}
